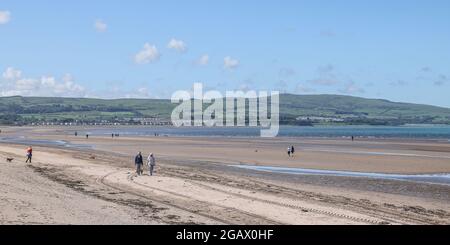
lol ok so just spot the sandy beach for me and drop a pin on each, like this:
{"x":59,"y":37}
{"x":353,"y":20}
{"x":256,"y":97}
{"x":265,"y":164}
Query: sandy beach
{"x":195,"y":184}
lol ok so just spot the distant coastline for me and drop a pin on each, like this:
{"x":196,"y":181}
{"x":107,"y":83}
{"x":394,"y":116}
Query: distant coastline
{"x":299,"y":110}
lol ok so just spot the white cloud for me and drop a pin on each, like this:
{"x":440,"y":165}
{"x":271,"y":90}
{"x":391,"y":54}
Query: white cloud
{"x":44,"y":86}
{"x":12,"y":74}
{"x":230,"y":63}
{"x":26,"y":85}
{"x":5,"y":17}
{"x":177,"y":45}
{"x":68,"y":78}
{"x":148,"y":54}
{"x":100,"y":26}
{"x":203,"y":60}
{"x":50,"y":86}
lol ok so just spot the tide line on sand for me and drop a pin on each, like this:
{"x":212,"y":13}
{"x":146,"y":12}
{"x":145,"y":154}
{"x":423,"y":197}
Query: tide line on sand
{"x":376,"y":153}
{"x":43,"y":142}
{"x":441,"y":178}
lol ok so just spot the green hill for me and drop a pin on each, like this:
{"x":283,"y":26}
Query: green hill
{"x":360,"y":110}
{"x":294,"y":109}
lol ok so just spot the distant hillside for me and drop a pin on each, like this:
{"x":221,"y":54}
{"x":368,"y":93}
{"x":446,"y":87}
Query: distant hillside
{"x":25,"y":110}
{"x":355,"y":110}
{"x":295,"y":109}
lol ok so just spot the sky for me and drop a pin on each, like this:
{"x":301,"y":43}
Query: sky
{"x":396,"y":50}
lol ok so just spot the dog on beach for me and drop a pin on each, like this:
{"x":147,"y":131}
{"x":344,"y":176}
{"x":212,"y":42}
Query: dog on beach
{"x":9,"y":159}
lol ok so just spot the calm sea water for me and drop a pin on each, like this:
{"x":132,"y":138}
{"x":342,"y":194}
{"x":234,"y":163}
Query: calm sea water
{"x":419,"y":132}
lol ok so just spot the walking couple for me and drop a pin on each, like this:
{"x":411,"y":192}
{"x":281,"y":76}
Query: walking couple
{"x":139,"y":162}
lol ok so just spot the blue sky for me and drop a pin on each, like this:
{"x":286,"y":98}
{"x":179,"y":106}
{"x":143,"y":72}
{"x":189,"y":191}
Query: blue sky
{"x":396,"y":50}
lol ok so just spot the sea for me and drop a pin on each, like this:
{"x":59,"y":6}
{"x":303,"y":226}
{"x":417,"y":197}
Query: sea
{"x":441,"y":132}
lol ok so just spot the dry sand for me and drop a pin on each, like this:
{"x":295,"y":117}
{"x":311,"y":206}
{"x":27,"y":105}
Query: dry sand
{"x":194,"y":185}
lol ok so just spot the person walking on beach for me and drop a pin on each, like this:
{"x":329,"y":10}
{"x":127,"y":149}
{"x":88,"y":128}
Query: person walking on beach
{"x":289,"y":151}
{"x":292,"y":151}
{"x":29,"y":154}
{"x":151,"y":162}
{"x":139,"y":162}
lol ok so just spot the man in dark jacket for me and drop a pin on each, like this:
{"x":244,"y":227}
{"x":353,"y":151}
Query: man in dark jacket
{"x":139,"y":162}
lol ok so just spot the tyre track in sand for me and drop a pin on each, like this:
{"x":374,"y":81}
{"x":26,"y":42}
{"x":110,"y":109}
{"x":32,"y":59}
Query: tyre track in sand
{"x":375,"y":221}
{"x":224,"y":220}
{"x":379,"y":212}
{"x":388,"y":215}
{"x":255,"y":216}
{"x":298,"y":207}
{"x":293,"y":206}
{"x":273,"y":204}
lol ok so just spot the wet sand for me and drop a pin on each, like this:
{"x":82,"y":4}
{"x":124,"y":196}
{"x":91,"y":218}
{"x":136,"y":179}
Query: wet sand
{"x":392,"y":156}
{"x":194,"y":183}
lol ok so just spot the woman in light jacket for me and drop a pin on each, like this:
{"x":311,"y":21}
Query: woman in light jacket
{"x":151,"y":162}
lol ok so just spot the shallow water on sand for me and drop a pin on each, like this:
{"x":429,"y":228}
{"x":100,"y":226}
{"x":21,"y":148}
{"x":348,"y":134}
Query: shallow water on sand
{"x":443,"y":178}
{"x":38,"y":142}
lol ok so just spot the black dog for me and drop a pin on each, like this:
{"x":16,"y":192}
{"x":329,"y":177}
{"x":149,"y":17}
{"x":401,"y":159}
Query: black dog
{"x":9,"y":159}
